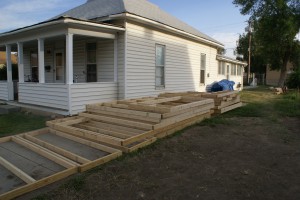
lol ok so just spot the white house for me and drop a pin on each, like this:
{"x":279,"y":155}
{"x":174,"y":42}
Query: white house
{"x":107,"y":50}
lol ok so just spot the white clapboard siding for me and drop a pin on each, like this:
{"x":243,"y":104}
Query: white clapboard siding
{"x":3,"y":91}
{"x":49,"y":95}
{"x":105,"y":60}
{"x":182,"y":66}
{"x":121,"y":63}
{"x":89,"y":93}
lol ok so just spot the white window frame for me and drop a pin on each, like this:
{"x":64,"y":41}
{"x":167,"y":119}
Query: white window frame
{"x":202,"y":68}
{"x":239,"y":70}
{"x":233,"y":70}
{"x":160,"y":67}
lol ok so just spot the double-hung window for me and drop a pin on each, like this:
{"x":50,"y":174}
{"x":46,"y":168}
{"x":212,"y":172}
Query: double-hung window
{"x":202,"y":69}
{"x":160,"y":54}
{"x":233,"y":69}
{"x":221,"y":69}
{"x":239,"y":70}
{"x":91,"y":62}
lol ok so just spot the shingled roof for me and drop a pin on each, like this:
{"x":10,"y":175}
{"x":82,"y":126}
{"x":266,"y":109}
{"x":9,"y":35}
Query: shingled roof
{"x":93,"y":9}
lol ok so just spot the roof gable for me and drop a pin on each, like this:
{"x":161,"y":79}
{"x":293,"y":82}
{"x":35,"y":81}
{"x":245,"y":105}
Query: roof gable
{"x":101,"y":8}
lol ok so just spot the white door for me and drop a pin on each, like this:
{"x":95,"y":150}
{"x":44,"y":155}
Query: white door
{"x":59,"y":66}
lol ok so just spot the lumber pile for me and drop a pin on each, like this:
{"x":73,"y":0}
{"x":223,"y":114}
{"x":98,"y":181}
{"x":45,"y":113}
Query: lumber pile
{"x":224,"y":101}
{"x":157,"y":115}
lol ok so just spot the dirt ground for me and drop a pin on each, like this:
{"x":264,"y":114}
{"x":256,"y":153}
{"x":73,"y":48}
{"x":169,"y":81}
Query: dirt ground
{"x":238,"y":158}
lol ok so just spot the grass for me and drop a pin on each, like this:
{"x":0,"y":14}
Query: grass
{"x":14,"y":123}
{"x":261,"y":102}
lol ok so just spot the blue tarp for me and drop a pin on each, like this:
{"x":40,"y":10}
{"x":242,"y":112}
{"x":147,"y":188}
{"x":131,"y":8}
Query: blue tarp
{"x":222,"y":85}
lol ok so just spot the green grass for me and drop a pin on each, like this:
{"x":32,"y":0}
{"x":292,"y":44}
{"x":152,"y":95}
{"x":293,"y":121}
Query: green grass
{"x":14,"y":123}
{"x":262,"y":102}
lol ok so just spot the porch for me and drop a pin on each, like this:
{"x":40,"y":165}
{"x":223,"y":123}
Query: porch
{"x":63,"y":65}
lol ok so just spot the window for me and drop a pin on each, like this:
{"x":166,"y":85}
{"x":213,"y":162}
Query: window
{"x":91,"y":62}
{"x":202,"y":68}
{"x":221,"y":69}
{"x":160,"y":65}
{"x":34,"y":67}
{"x":233,"y":69}
{"x":239,"y":70}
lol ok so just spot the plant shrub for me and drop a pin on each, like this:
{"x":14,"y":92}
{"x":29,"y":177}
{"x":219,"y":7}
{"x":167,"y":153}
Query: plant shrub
{"x":293,"y":80}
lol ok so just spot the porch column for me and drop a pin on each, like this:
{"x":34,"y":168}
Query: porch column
{"x":10,"y":85}
{"x":69,"y":58}
{"x":20,"y":62}
{"x":116,"y":58}
{"x":41,"y":55}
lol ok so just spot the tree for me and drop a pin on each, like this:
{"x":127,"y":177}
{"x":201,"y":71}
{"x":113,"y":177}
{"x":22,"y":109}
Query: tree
{"x":258,"y":63}
{"x":276,"y":23}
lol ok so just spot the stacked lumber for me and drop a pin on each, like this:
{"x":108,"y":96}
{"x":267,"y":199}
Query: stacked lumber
{"x":152,"y":114}
{"x":224,"y":101}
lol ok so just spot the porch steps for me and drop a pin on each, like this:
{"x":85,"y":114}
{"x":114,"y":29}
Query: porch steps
{"x":6,"y":109}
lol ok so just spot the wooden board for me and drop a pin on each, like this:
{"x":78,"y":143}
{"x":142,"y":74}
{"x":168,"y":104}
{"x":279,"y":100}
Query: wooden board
{"x":118,"y":121}
{"x":32,"y":184}
{"x":228,"y":108}
{"x":85,"y":164}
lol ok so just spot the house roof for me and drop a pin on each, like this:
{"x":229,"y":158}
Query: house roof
{"x":94,"y":9}
{"x":231,"y":60}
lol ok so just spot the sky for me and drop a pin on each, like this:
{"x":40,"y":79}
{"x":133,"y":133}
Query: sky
{"x":219,"y":19}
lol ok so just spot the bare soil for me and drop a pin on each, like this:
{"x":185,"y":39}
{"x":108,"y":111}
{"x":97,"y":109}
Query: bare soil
{"x":240,"y":158}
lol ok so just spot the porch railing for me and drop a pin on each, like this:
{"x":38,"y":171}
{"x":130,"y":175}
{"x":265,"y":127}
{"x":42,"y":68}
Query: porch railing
{"x":3,"y":91}
{"x":88,"y":93}
{"x":49,"y":95}
{"x":71,"y":98}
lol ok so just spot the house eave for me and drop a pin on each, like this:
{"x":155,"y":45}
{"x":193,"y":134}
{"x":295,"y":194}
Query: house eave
{"x":165,"y":27}
{"x":231,"y":60}
{"x":61,"y":21}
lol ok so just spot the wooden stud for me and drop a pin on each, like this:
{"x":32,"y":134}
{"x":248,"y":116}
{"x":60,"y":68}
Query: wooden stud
{"x":88,"y":134}
{"x":125,"y":111}
{"x":100,"y":110}
{"x":38,"y":184}
{"x":191,"y":105}
{"x":137,"y":138}
{"x":114,"y":127}
{"x":228,"y":108}
{"x":84,"y":141}
{"x":58,"y":150}
{"x":202,"y":107}
{"x":118,"y":121}
{"x":102,"y":131}
{"x":16,"y":171}
{"x":45,"y":153}
{"x":176,"y":119}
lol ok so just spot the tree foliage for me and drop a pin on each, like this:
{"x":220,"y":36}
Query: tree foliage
{"x":276,"y":23}
{"x":258,"y":63}
{"x":3,"y":72}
